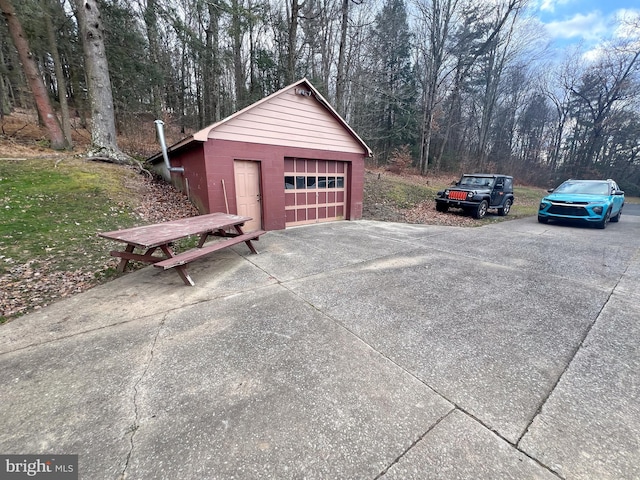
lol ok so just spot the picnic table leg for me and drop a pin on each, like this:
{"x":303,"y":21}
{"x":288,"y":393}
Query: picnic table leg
{"x":167,"y":251}
{"x":184,"y":275}
{"x":181,"y":269}
{"x":248,"y":242}
{"x":203,"y":239}
{"x":125,"y":261}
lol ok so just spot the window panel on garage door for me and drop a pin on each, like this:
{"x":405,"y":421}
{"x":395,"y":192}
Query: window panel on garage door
{"x":314,"y":190}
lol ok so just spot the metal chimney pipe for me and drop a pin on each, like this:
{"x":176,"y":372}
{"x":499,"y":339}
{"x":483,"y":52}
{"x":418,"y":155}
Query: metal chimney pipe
{"x":163,"y":145}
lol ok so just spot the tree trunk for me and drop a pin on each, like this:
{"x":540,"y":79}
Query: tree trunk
{"x":340,"y":73}
{"x":151,"y":24}
{"x":103,"y":126}
{"x":212,"y":64}
{"x":291,"y":42}
{"x":237,"y":18}
{"x":5,"y":105}
{"x":437,"y":16}
{"x":60,"y":78}
{"x":36,"y":84}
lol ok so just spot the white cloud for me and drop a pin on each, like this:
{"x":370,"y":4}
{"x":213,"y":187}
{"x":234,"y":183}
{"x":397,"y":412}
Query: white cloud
{"x":592,"y":26}
{"x":550,"y":5}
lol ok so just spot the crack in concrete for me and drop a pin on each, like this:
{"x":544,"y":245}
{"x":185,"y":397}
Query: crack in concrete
{"x":545,"y":399}
{"x":134,"y":427}
{"x":455,"y":406}
{"x":410,"y":447}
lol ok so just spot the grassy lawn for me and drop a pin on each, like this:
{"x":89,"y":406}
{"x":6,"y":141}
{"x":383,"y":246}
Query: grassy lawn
{"x":51,"y":210}
{"x":527,"y":201}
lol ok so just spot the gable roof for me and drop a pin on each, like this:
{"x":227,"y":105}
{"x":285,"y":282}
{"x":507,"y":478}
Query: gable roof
{"x":233,"y":126}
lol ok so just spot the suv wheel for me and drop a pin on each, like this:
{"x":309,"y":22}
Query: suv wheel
{"x":616,"y":217}
{"x":603,"y":223}
{"x":442,"y":207}
{"x":505,"y":209}
{"x":481,"y":211}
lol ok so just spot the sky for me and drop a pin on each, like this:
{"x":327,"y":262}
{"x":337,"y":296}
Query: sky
{"x":586,"y":22}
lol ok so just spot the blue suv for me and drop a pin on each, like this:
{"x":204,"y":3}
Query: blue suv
{"x":593,"y":201}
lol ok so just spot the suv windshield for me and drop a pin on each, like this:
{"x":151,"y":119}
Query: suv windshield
{"x":469,"y":181}
{"x":585,"y":188}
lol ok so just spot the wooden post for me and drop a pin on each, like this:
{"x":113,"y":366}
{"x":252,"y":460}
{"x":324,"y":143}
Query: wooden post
{"x":224,"y":190}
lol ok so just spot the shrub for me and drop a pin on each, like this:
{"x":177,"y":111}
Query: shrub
{"x":400,"y":160}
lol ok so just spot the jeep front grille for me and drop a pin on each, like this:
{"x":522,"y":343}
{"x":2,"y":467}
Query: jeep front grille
{"x":456,"y":195}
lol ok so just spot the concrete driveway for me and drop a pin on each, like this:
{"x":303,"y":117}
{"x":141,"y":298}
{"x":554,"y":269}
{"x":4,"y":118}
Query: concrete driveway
{"x":351,"y":350}
{"x":631,"y":209}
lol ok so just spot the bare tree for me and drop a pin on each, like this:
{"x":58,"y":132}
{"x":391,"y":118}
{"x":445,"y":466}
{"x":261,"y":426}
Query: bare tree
{"x":600,"y":95}
{"x":293,"y":11}
{"x":40,"y":95}
{"x":477,"y":34}
{"x":558,"y":91}
{"x":61,"y":83}
{"x":150,"y":17}
{"x":104,"y":144}
{"x":493,"y":68}
{"x":437,"y":16}
{"x":341,"y":73}
{"x":237,"y":33}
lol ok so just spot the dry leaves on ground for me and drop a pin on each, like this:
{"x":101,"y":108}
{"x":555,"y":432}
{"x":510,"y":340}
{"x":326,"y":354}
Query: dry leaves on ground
{"x":37,"y":283}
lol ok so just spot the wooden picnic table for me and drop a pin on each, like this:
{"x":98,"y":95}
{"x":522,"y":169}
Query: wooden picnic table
{"x":160,"y":236}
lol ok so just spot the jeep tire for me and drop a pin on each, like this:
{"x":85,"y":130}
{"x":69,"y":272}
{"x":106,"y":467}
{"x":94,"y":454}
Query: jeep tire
{"x":504,"y":210}
{"x":481,"y":209}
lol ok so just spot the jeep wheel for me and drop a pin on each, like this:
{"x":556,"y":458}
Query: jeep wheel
{"x":481,"y":211}
{"x":603,"y":223}
{"x":442,"y":207}
{"x":505,"y":209}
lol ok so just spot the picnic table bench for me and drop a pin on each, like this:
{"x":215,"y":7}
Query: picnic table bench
{"x":150,"y":238}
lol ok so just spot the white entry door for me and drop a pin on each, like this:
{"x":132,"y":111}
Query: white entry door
{"x":247,"y":177}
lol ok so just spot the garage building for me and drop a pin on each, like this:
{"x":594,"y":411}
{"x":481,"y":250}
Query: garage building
{"x":288,"y":159}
